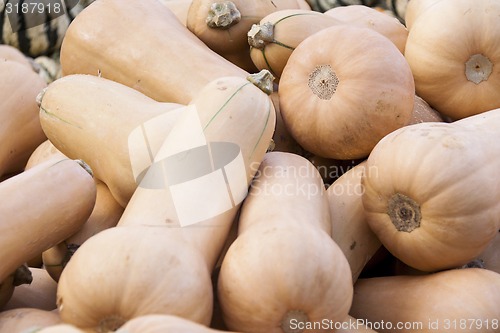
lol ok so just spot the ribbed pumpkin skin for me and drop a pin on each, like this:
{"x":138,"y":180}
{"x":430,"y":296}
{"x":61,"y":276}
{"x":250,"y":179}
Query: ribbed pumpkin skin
{"x":422,"y":205}
{"x":339,"y":98}
{"x":179,"y":67}
{"x":455,"y":59}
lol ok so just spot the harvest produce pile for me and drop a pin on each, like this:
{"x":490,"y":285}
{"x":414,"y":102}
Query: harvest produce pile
{"x":260,"y":166}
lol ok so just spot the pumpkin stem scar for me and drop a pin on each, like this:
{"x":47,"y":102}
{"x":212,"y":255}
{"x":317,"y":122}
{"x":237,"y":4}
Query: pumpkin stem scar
{"x":404,"y":212}
{"x":223,"y":15}
{"x":478,"y":68}
{"x":323,"y":81}
{"x":110,"y":324}
{"x":297,"y":316}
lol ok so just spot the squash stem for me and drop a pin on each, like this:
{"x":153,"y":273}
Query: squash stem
{"x":223,"y":15}
{"x":263,"y":80}
{"x":22,"y":275}
{"x":404,"y":212}
{"x":260,"y":35}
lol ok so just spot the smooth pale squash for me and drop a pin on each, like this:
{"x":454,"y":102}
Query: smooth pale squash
{"x":339,"y":98}
{"x":106,"y":144}
{"x":20,"y":131}
{"x":162,"y":324}
{"x":179,"y":67}
{"x":437,"y":207}
{"x":30,"y":225}
{"x":141,"y":270}
{"x":39,"y":294}
{"x":27,"y":320}
{"x":106,"y":214}
{"x":457,"y":300}
{"x":302,"y":275}
{"x":179,"y":8}
{"x":350,"y":230}
{"x":8,"y":52}
{"x":44,"y":152}
{"x":62,"y":328}
{"x":233,"y":116}
{"x":279,"y":33}
{"x":455,"y":58}
{"x":371,"y":18}
{"x":414,"y":9}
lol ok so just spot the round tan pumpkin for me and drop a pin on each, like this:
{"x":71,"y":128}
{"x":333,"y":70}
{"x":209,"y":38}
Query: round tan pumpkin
{"x":339,"y":98}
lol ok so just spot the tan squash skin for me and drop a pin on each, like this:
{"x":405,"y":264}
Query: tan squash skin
{"x":106,"y":214}
{"x":415,"y":8}
{"x":437,"y":208}
{"x":39,"y":294}
{"x":227,"y":108}
{"x":351,"y":325}
{"x":302,"y":274}
{"x":350,"y":230}
{"x":27,"y":320}
{"x":336,"y":102}
{"x":120,"y":51}
{"x":44,"y":152}
{"x":20,"y":133}
{"x":72,"y":128}
{"x":30,"y":225}
{"x":20,"y":276}
{"x":448,"y":301}
{"x":162,"y":324}
{"x":62,"y":328}
{"x":369,"y":17}
{"x":278,"y":34}
{"x":162,"y":275}
{"x":455,"y":59}
{"x":179,"y":8}
{"x":11,"y":53}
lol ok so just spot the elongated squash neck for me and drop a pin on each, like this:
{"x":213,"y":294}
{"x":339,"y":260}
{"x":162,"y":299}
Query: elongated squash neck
{"x":404,"y":213}
{"x":290,"y":322}
{"x":223,"y":15}
{"x":263,"y":80}
{"x":478,"y":68}
{"x":260,"y":35}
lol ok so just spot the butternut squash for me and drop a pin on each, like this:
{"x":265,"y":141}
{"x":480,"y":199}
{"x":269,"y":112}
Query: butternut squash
{"x":20,"y":276}
{"x":490,"y":257}
{"x":30,"y":225}
{"x":423,"y":112}
{"x":336,"y":101}
{"x":224,"y":109}
{"x":106,"y":145}
{"x":188,"y":241}
{"x":371,"y":18}
{"x":435,"y":208}
{"x":27,"y":320}
{"x":180,"y":66}
{"x":454,"y":58}
{"x":457,"y":300}
{"x":20,"y":132}
{"x":62,"y":328}
{"x":274,"y":38}
{"x":177,"y":284}
{"x":179,"y":8}
{"x":8,"y":52}
{"x":284,"y":227}
{"x":350,"y":229}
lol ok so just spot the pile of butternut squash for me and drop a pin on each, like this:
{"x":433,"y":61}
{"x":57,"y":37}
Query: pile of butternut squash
{"x":254,"y":166}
